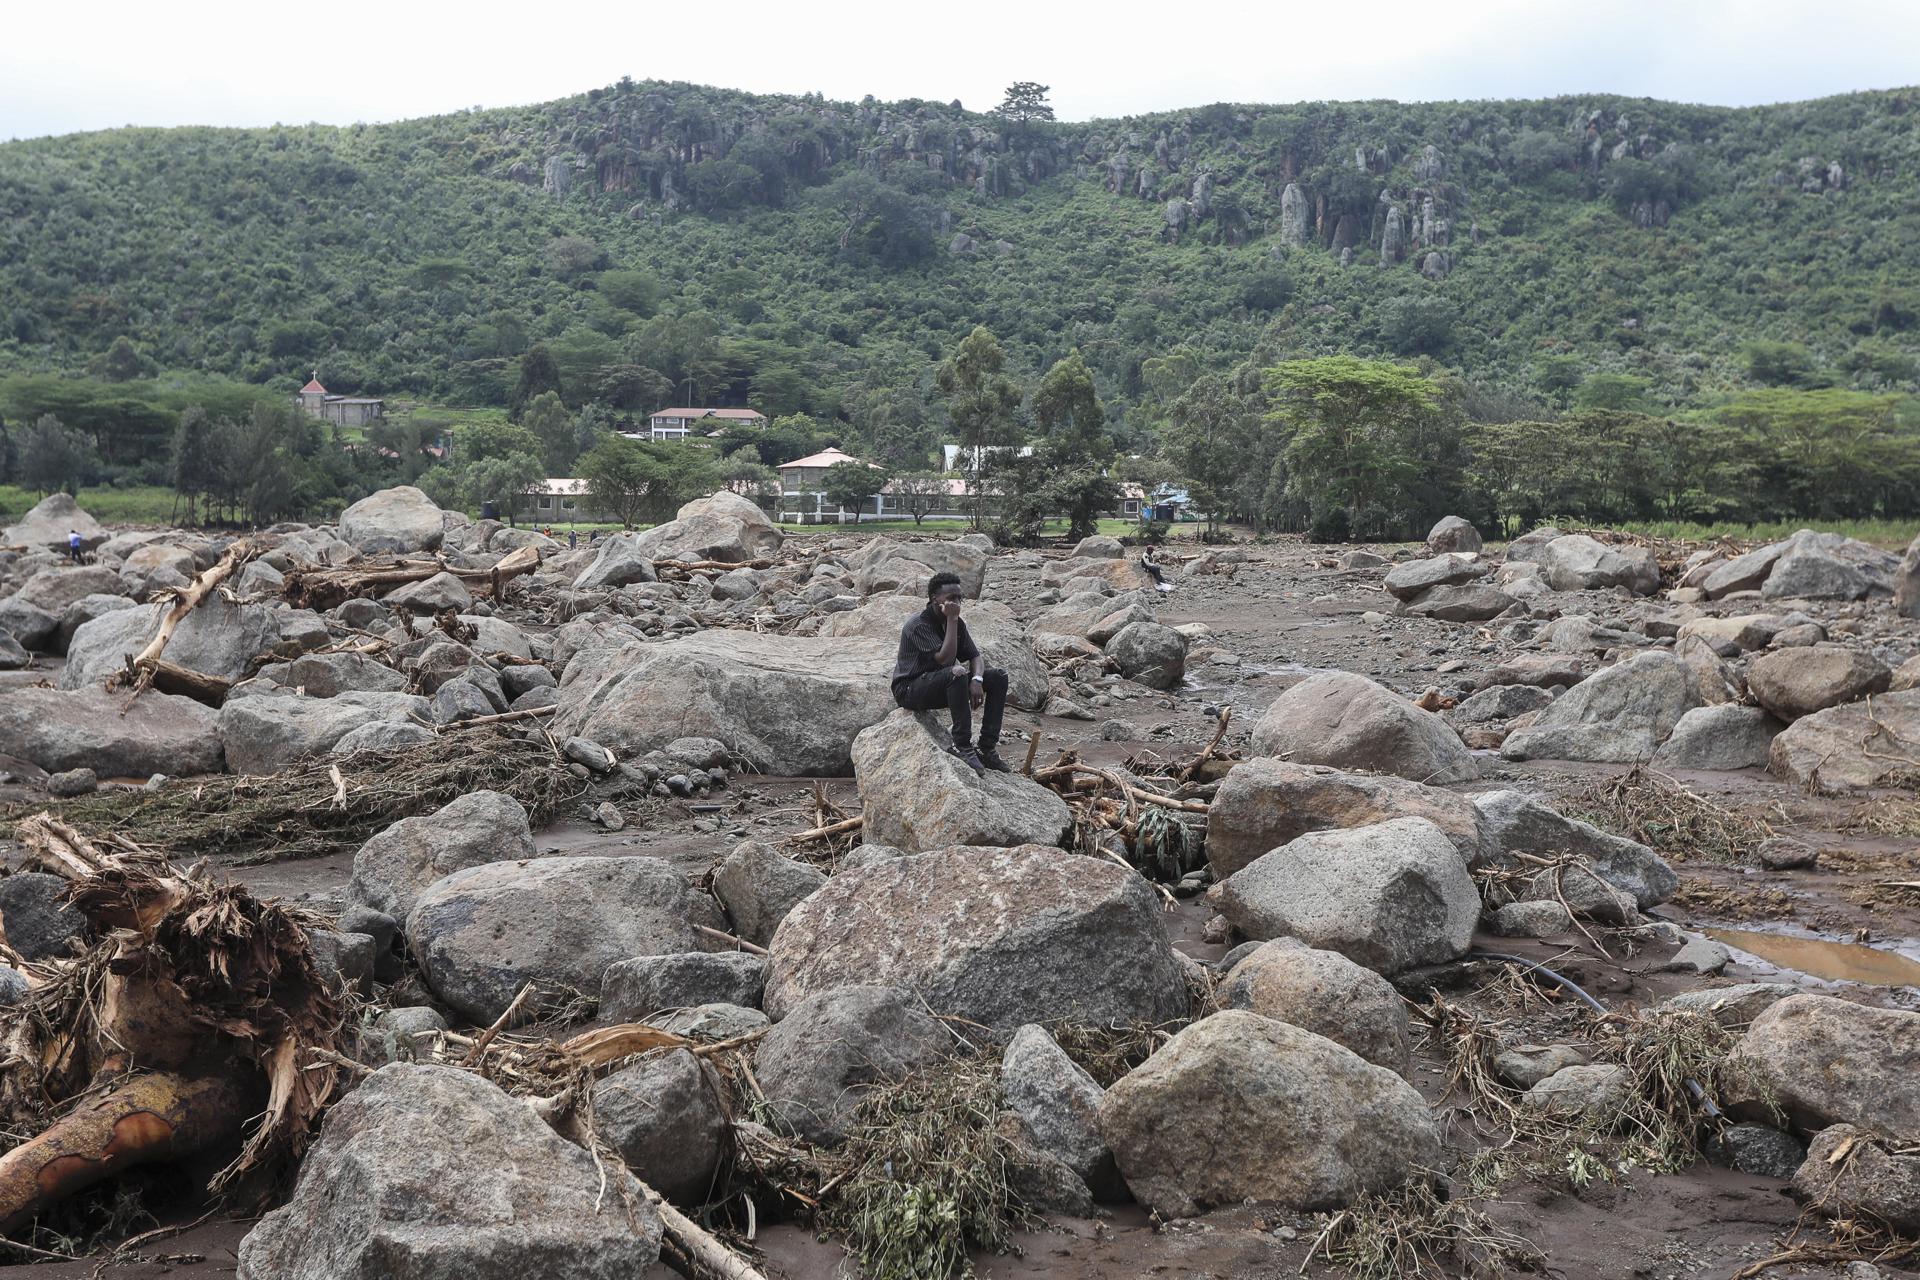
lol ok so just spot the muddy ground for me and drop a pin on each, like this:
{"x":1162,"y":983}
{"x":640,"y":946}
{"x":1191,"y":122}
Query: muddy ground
{"x":1284,"y":612}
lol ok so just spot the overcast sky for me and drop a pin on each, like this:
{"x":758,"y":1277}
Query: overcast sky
{"x":87,"y":64}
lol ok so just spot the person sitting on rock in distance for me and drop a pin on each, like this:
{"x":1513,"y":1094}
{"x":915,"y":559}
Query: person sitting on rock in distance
{"x":939,"y":665}
{"x":1149,"y":560}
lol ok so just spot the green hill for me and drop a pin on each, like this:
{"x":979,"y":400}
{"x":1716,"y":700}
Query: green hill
{"x":668,"y":242}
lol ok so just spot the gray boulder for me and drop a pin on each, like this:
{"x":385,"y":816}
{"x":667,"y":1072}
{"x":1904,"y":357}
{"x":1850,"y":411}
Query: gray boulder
{"x":327,"y":675}
{"x":1742,"y":573}
{"x":392,"y":868}
{"x":1150,"y":654}
{"x":1059,"y":1107}
{"x":1410,"y":580}
{"x":885,"y":564}
{"x":1325,"y":993}
{"x":1347,"y":721}
{"x":380,"y":735}
{"x":620,"y":563}
{"x":39,"y":922}
{"x":1575,"y":562}
{"x":1619,"y":716}
{"x":917,"y":795}
{"x":664,"y":1118}
{"x":1826,"y":1061}
{"x":27,"y":626}
{"x":50,"y":521}
{"x":1827,"y":566}
{"x":712,"y":1022}
{"x":832,"y":1048}
{"x":999,"y":936}
{"x":394,"y":521}
{"x":1513,"y":822}
{"x":1531,"y":547}
{"x":1099,"y":546}
{"x":218,"y":639}
{"x":1851,"y":746}
{"x":1501,"y":702}
{"x":1851,"y":1172}
{"x":1452,"y":534}
{"x":634,"y":990}
{"x":270,"y":734}
{"x":55,"y":590}
{"x":1906,"y":582}
{"x":1240,"y":1107}
{"x":1594,"y":1090}
{"x":1736,"y":1006}
{"x":426,"y":1173}
{"x":1793,"y":683}
{"x":1389,"y":896}
{"x":1264,"y":803}
{"x":94,"y":729}
{"x":758,"y":886}
{"x":1110,"y":575}
{"x":786,"y":705}
{"x":1722,"y":737}
{"x":1475,"y":603}
{"x":481,"y":934}
{"x":723,"y":527}
{"x":432,"y":595}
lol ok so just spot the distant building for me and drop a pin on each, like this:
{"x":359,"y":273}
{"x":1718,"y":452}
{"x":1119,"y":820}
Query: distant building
{"x":802,"y":486}
{"x":678,"y":424}
{"x":347,"y":411}
{"x":556,"y":500}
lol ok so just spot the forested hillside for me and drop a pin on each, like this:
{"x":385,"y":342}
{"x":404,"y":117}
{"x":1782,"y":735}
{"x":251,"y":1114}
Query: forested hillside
{"x":667,"y":242}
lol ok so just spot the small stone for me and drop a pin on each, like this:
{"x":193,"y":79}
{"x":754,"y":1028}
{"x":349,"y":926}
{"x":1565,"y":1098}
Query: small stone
{"x":1530,"y":920}
{"x":589,"y":753}
{"x":1526,"y":1065}
{"x":1699,"y":955}
{"x":1784,"y":853}
{"x":1758,"y":1149}
{"x":607,"y":814}
{"x":72,"y":782}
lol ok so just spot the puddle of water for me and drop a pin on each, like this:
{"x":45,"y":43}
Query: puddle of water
{"x":1834,"y":961}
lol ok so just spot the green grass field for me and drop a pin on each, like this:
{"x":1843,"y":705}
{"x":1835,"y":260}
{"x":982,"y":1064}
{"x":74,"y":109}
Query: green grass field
{"x":135,"y":504}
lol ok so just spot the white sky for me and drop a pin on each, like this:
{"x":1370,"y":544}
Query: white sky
{"x":91,"y":64}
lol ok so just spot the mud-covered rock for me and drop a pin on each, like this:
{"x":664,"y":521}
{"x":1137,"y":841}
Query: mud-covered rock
{"x":394,"y":867}
{"x":1325,"y":993}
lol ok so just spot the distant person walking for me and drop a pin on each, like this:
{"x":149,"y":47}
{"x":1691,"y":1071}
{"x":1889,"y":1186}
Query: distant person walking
{"x":73,"y":545}
{"x":573,"y":539}
{"x":939,"y":665}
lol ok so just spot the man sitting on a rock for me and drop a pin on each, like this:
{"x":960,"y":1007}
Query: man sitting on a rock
{"x":939,"y":665}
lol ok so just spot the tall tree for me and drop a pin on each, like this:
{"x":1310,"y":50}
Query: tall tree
{"x":1351,"y":422}
{"x":538,"y":374}
{"x":552,"y":425}
{"x":980,"y":404}
{"x":1074,"y":449}
{"x":851,"y":485}
{"x":193,"y":460}
{"x":1025,"y":103}
{"x":54,"y":457}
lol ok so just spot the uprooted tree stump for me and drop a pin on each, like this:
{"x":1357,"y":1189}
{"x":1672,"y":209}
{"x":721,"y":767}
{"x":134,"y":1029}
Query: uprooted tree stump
{"x":190,"y":1028}
{"x":323,"y":589}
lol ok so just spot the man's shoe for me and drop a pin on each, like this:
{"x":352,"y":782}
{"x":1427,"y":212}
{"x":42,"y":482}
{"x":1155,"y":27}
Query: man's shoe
{"x":991,"y":759}
{"x":971,"y":758}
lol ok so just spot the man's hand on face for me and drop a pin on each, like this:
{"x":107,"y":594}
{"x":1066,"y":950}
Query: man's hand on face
{"x":950,"y":608}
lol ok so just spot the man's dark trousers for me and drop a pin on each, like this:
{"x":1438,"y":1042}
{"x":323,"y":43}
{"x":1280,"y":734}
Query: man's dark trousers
{"x":936,"y":689}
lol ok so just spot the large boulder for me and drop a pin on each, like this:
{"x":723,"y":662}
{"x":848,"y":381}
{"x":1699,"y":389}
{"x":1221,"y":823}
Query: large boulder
{"x":1347,"y":721}
{"x":1058,"y":1104}
{"x":1475,"y":603}
{"x":917,"y":795}
{"x":636,"y":989}
{"x":392,"y":868}
{"x":1150,"y":654}
{"x":54,"y":590}
{"x":50,"y":521}
{"x":1451,"y":534}
{"x":1240,"y":1107}
{"x":1116,"y":575}
{"x":998,"y":936}
{"x":441,"y":592}
{"x":218,"y":639}
{"x":786,"y":705}
{"x":886,"y":564}
{"x":1793,"y":683}
{"x":394,"y":521}
{"x":1098,"y":546}
{"x":620,"y":563}
{"x":1085,"y":612}
{"x":481,"y":934}
{"x":723,"y":526}
{"x":427,"y":1172}
{"x":1575,"y":562}
{"x":1721,"y":737}
{"x":1325,"y":993}
{"x":1855,"y":745}
{"x":1850,"y":1172}
{"x":1408,"y":581}
{"x":1829,"y":566}
{"x":1264,"y":803}
{"x":1002,"y":641}
{"x":93,"y":729}
{"x":1619,"y":716}
{"x":269,"y":733}
{"x":1389,"y":896}
{"x":831,"y":1048}
{"x":1827,"y":1061}
{"x":1906,"y":582}
{"x":38,"y":921}
{"x":664,"y":1117}
{"x":1514,"y":823}
{"x":758,"y":886}
{"x":27,"y":626}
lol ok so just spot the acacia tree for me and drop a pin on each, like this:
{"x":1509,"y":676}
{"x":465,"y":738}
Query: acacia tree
{"x":980,"y":403}
{"x":919,"y":489}
{"x":850,"y":485}
{"x":1350,"y":425}
{"x":1075,"y":447}
{"x":1025,"y":103}
{"x":54,"y":457}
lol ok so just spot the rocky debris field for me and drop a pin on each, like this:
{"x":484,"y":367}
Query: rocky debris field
{"x":479,"y":905}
